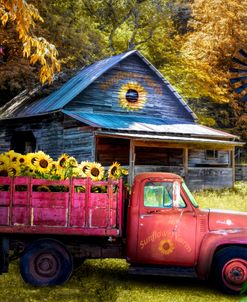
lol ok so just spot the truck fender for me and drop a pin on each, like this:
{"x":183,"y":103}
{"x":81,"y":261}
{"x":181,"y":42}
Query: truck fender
{"x":213,"y":242}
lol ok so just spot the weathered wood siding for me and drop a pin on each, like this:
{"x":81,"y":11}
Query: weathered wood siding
{"x":198,"y":178}
{"x":110,"y":150}
{"x":103,"y":95}
{"x":54,"y":135}
{"x":213,"y":178}
{"x":78,"y":140}
{"x":197,"y":158}
{"x":158,"y":156}
{"x":48,"y":132}
{"x":241,"y":172}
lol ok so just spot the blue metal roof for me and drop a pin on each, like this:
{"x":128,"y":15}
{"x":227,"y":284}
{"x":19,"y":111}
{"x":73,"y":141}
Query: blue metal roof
{"x":58,"y":99}
{"x":61,"y":97}
{"x":145,"y":124}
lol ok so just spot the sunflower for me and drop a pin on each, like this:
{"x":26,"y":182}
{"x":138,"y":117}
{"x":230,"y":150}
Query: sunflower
{"x":14,"y":169}
{"x":12,"y":155}
{"x":43,"y":162}
{"x":114,"y":171}
{"x":72,"y":162}
{"x":61,"y":162}
{"x":30,"y":159}
{"x":132,"y":96}
{"x":124,"y":171}
{"x":166,"y":246}
{"x":22,"y":159}
{"x":95,"y":171}
{"x":83,"y":166}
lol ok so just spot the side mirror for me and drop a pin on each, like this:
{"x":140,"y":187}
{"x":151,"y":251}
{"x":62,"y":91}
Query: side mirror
{"x":176,"y":194}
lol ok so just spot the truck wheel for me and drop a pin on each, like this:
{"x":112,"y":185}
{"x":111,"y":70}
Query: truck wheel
{"x":46,"y":262}
{"x":229,"y":271}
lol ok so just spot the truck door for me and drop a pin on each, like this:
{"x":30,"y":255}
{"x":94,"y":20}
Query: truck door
{"x":166,"y":233}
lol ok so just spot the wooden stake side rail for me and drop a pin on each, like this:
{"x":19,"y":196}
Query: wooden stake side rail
{"x":69,"y":207}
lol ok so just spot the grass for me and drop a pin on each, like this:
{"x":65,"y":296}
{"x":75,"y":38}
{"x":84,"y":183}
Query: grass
{"x":107,"y":280}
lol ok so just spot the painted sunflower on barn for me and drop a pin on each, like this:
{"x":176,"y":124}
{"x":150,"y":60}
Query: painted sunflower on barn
{"x":132,"y":96}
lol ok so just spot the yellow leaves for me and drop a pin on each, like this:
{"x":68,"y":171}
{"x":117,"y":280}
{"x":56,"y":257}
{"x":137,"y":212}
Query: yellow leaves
{"x":4,"y":19}
{"x":38,"y":49}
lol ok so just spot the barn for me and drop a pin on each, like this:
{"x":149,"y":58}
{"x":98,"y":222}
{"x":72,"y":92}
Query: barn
{"x":121,"y":109}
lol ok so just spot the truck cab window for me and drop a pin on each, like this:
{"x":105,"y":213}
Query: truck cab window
{"x":160,"y":195}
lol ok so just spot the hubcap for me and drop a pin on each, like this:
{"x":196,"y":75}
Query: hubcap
{"x":46,"y":265}
{"x":234,"y":273}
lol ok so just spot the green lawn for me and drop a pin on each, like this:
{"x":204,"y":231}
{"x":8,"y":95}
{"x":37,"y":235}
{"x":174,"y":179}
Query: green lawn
{"x":107,"y":280}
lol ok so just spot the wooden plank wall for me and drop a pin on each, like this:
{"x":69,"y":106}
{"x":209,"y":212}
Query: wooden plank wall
{"x":213,"y":178}
{"x":103,"y":95}
{"x":78,"y":140}
{"x":110,"y":150}
{"x":241,"y":172}
{"x":47,"y":130}
{"x":197,"y":158}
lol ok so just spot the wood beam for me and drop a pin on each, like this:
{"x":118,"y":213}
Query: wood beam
{"x":233,"y":165}
{"x":131,"y":162}
{"x":186,"y":163}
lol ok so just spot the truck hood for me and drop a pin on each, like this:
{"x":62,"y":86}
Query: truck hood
{"x":222,"y":219}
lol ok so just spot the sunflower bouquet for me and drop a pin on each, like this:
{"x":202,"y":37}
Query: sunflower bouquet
{"x":41,"y":165}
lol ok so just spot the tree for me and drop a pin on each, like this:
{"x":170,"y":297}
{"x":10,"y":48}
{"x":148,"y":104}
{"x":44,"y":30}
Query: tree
{"x":38,"y":49}
{"x":218,"y":30}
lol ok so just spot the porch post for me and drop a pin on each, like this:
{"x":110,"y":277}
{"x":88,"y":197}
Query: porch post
{"x":233,"y":165}
{"x":186,"y":163}
{"x":131,"y":162}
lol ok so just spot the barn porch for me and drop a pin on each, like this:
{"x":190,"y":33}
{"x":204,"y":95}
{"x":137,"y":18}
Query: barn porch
{"x":202,"y":163}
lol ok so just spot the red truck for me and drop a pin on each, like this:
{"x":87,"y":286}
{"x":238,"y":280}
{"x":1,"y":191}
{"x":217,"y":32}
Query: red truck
{"x":159,"y":230}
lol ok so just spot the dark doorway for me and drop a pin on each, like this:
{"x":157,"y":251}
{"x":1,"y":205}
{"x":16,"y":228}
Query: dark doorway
{"x":23,"y":142}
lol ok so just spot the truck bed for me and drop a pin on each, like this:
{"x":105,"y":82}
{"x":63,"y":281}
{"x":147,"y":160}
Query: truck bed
{"x":69,"y":208}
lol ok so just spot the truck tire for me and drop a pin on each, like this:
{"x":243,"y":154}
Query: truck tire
{"x":46,"y":262}
{"x":229,"y":269}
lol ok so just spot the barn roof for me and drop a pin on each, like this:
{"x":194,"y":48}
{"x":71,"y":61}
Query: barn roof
{"x":132,"y":124}
{"x":61,"y":97}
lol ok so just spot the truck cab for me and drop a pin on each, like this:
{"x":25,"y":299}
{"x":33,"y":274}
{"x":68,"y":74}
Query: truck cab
{"x":167,"y":234}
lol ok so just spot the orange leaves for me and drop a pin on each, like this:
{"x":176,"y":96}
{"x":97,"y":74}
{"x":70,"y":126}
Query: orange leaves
{"x":38,"y":49}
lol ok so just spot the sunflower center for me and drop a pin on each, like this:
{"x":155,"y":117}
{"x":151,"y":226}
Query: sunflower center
{"x":33,"y":160}
{"x":132,"y":95}
{"x":14,"y":159}
{"x":62,"y":162}
{"x":4,"y":173}
{"x":21,"y":160}
{"x":113,"y":170}
{"x":43,"y":163}
{"x":166,"y":246}
{"x":84,"y":169}
{"x":95,"y":172}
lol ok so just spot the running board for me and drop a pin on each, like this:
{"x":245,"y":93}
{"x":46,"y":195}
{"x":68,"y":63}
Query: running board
{"x":169,"y":271}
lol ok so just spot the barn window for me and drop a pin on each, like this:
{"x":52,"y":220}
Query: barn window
{"x":211,"y":154}
{"x":132,"y":95}
{"x":23,"y":142}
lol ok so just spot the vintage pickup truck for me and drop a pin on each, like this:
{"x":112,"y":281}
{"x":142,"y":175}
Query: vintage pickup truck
{"x":159,"y":229}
